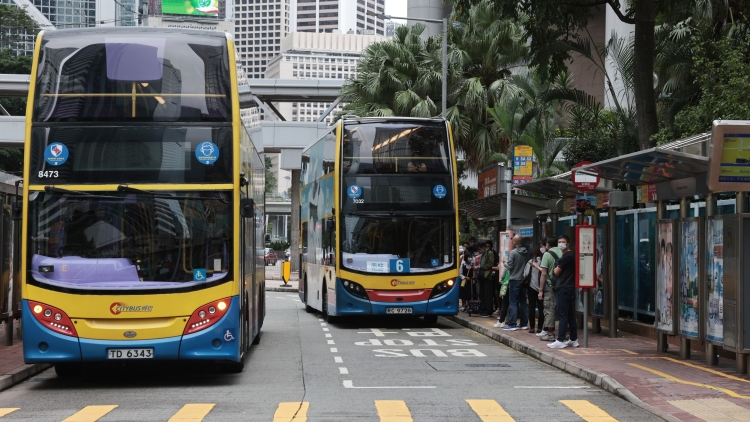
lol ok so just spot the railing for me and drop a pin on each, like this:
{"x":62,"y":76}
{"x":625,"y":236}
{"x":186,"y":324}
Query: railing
{"x":278,"y":197}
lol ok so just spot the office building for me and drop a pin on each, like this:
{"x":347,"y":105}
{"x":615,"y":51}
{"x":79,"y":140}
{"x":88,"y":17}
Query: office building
{"x":307,"y":55}
{"x":259,"y":27}
{"x":390,"y":27}
{"x":344,"y":16}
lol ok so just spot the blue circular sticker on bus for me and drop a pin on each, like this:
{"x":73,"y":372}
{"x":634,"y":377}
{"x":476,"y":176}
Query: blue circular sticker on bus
{"x":439,"y":191}
{"x":354,"y":192}
{"x":207,"y":153}
{"x":56,"y":154}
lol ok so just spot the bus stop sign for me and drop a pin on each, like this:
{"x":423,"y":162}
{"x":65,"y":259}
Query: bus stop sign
{"x":584,"y":180}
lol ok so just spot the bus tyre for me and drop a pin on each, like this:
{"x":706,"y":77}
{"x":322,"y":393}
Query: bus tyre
{"x":66,"y":369}
{"x":333,"y":319}
{"x":256,"y":340}
{"x":235,"y":367}
{"x":430,"y":319}
{"x":309,"y":309}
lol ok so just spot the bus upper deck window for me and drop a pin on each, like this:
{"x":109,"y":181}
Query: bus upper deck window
{"x":141,"y":62}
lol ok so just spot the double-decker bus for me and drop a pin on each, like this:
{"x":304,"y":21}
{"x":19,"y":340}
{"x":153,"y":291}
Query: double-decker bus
{"x":378,"y":219}
{"x":143,"y":201}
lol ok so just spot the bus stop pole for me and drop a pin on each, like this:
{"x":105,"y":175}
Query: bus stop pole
{"x":684,"y":341}
{"x":612,"y":273}
{"x":661,"y":338}
{"x":741,"y":207}
{"x":596,"y":323}
{"x":712,"y":358}
{"x":509,"y":177}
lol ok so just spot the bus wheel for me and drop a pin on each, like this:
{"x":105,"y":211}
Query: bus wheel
{"x":66,"y":369}
{"x":430,"y":319}
{"x":256,"y":340}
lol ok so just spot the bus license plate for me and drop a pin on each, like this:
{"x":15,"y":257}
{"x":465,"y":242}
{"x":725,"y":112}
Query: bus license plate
{"x":130,"y":353}
{"x":397,"y":310}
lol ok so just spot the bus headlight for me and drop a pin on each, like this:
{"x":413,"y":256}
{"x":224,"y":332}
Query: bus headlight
{"x":442,"y":288}
{"x":355,"y":288}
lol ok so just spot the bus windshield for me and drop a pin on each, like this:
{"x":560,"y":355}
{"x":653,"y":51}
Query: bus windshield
{"x":142,"y":75}
{"x":397,"y":147}
{"x":369,"y":243}
{"x":132,"y":240}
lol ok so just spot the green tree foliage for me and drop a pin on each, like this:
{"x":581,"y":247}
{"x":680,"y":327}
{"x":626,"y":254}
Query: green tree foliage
{"x":720,"y":71}
{"x":271,"y":181}
{"x":594,"y":135}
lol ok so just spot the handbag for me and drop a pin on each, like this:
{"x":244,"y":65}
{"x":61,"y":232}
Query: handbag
{"x":526,"y":274}
{"x":504,"y":285}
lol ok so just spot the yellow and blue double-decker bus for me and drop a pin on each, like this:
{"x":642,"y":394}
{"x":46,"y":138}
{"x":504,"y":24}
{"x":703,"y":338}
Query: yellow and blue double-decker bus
{"x":379,"y":222}
{"x":143,"y":201}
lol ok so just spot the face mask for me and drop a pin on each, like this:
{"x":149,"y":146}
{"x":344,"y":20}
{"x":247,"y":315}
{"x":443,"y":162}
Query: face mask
{"x":562,"y":245}
{"x":543,"y":250}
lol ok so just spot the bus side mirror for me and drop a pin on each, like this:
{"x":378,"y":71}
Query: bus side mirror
{"x":246,"y":207}
{"x":17,"y":211}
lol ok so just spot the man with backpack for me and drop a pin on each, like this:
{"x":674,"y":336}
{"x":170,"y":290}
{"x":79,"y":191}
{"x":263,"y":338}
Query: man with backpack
{"x":517,"y":301}
{"x":549,"y":263}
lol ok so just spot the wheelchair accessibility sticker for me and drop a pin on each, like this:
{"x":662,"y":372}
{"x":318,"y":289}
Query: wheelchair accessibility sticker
{"x":229,"y":335}
{"x":435,"y":262}
{"x":199,"y":274}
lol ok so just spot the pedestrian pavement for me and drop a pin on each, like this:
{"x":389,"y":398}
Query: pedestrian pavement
{"x":274,"y":285}
{"x":12,"y":368}
{"x":630,"y":367}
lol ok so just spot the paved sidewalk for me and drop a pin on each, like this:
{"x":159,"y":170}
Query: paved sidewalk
{"x":630,"y":367}
{"x":277,"y":285}
{"x":12,"y":368}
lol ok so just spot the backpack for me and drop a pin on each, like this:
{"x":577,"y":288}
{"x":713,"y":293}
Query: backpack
{"x":551,"y":274}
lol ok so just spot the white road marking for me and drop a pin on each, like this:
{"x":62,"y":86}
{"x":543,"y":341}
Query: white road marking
{"x":350,"y":384}
{"x":323,"y":324}
{"x":328,"y":335}
{"x":377,"y":331}
{"x":343,"y":371}
{"x":331,"y":342}
{"x":551,"y":386}
{"x":320,"y":319}
{"x":326,"y":329}
{"x":338,"y":359}
{"x":334,"y":350}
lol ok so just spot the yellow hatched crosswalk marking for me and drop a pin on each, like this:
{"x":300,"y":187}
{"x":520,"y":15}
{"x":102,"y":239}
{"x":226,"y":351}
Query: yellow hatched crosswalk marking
{"x":393,"y":411}
{"x":291,"y":411}
{"x":588,"y":411}
{"x":90,"y":413}
{"x":194,"y":412}
{"x":489,"y":411}
{"x":6,"y":410}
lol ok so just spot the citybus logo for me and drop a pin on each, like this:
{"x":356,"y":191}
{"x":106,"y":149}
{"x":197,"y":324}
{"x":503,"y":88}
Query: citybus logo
{"x":395,"y":283}
{"x":118,"y":307}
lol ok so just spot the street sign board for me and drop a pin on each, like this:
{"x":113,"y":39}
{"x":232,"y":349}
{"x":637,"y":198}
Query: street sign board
{"x":523,"y":158}
{"x":584,"y":180}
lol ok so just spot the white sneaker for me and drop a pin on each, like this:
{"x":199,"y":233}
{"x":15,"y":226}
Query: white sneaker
{"x":525,"y":327}
{"x":572,"y":343}
{"x":499,"y":324}
{"x":541,"y":334}
{"x":557,"y":345}
{"x":497,"y":312}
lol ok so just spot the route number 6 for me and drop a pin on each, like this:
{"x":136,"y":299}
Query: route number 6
{"x":399,"y":266}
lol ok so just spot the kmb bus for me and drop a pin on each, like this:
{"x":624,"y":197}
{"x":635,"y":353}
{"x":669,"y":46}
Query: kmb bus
{"x":379,"y":223}
{"x":142,"y":201}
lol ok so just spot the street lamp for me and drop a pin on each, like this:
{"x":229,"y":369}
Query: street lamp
{"x":444,"y":21}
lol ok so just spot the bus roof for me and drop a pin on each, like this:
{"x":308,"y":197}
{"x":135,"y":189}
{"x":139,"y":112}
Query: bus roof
{"x":130,"y":30}
{"x":357,"y":119}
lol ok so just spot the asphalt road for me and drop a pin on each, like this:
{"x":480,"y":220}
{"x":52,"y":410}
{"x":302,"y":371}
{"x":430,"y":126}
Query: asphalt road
{"x":388,"y":369}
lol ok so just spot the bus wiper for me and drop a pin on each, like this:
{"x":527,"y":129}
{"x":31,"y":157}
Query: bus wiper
{"x":52,"y":189}
{"x":128,"y":189}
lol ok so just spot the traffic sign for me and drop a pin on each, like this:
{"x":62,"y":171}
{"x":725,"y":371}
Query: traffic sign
{"x":584,"y":180}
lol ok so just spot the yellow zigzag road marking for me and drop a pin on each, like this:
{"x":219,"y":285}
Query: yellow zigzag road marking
{"x":490,"y":411}
{"x":696,"y":384}
{"x":90,"y":413}
{"x":192,"y":413}
{"x":588,"y":411}
{"x":393,"y":411}
{"x":288,"y":410}
{"x":6,"y":410}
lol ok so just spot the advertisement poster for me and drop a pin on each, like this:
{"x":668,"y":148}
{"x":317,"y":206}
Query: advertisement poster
{"x":664,"y":277}
{"x":601,"y":269}
{"x":688,"y":279}
{"x":190,"y":7}
{"x":715,"y":280}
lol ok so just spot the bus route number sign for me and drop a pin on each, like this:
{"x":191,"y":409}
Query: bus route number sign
{"x":400,"y":265}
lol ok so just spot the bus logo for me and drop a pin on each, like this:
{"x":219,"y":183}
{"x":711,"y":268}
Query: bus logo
{"x":117,"y":308}
{"x":354,"y":192}
{"x":395,"y":283}
{"x":56,"y":154}
{"x":439,"y":191}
